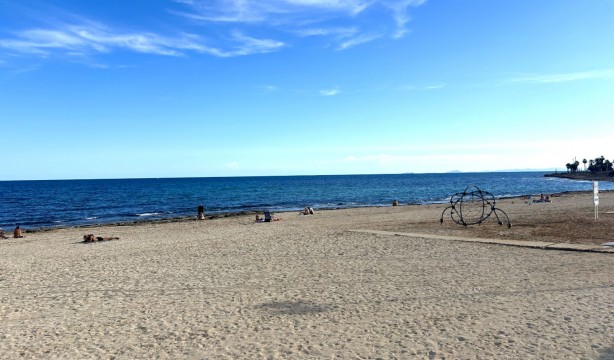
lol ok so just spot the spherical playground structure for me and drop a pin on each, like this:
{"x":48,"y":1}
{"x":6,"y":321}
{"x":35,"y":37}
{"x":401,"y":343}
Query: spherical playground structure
{"x":474,"y":206}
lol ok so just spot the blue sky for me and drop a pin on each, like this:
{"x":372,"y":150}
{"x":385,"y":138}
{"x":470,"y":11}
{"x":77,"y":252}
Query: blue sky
{"x":181,"y":88}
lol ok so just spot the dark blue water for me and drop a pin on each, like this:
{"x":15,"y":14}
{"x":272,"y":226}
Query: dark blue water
{"x":53,"y":203}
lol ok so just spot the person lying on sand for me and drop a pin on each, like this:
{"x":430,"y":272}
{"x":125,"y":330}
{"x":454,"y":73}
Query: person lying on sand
{"x":2,"y":234}
{"x":107,"y":238}
{"x":91,"y":238}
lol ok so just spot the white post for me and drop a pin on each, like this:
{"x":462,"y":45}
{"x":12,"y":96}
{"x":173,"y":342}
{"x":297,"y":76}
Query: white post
{"x":596,"y":198}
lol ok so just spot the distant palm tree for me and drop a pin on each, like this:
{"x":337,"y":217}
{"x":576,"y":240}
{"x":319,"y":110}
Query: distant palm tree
{"x":568,"y":166}
{"x":599,"y":162}
{"x":574,"y":166}
{"x":584,"y":162}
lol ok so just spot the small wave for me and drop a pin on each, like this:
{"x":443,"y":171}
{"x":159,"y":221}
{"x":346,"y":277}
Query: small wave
{"x":251,"y":206}
{"x":91,"y":218}
{"x":58,"y":221}
{"x":149,"y":214}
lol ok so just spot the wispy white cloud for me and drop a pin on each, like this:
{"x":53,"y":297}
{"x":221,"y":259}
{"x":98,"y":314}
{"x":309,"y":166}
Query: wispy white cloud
{"x":233,"y":28}
{"x":401,"y":15}
{"x":337,"y":19}
{"x":358,"y":40}
{"x":419,"y":87}
{"x":249,"y":45}
{"x":234,"y":11}
{"x":254,"y":11}
{"x":435,"y":87}
{"x":269,"y":88}
{"x":352,"y":7}
{"x":565,"y":77}
{"x":330,"y":92}
{"x":79,"y":40}
{"x":332,"y":31}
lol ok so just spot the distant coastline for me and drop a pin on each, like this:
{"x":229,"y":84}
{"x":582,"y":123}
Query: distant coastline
{"x":584,"y":176}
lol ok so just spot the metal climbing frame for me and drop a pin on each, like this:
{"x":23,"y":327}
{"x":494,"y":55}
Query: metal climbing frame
{"x":474,"y":206}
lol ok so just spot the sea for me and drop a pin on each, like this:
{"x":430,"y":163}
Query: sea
{"x":36,"y":205}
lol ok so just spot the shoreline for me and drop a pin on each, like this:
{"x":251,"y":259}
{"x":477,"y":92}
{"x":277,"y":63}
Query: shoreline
{"x":518,"y":217}
{"x":231,"y":214}
{"x":151,"y":200}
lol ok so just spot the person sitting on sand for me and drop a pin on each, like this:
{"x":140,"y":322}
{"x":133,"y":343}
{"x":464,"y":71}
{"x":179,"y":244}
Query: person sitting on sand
{"x":17,"y":233}
{"x":259,"y":219}
{"x":542,"y":199}
{"x":2,"y":234}
{"x":307,"y":211}
{"x":268,"y":217}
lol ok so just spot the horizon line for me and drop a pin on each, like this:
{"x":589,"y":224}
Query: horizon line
{"x":295,"y":175}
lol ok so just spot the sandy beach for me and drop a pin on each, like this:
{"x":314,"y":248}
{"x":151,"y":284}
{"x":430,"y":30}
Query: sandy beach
{"x":336,"y":284}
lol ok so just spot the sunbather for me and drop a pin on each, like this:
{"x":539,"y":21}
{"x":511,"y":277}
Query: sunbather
{"x":268,"y":217}
{"x":91,"y":238}
{"x":17,"y":232}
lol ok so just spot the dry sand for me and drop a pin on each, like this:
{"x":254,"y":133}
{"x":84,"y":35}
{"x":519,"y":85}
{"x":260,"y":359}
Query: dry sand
{"x":310,"y":287}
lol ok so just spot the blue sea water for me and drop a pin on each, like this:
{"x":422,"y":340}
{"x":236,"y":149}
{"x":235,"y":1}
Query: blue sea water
{"x":61,"y":203}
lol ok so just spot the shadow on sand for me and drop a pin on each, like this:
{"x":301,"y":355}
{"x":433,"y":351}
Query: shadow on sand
{"x":607,"y":354}
{"x":292,"y":308}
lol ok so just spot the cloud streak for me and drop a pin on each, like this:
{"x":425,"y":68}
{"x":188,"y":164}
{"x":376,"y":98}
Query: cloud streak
{"x":358,"y":40}
{"x":345,"y":23}
{"x":256,"y":11}
{"x":221,"y":28}
{"x":81,"y":40}
{"x":330,"y":92}
{"x":566,"y":77}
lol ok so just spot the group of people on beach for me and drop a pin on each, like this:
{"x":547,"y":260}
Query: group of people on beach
{"x":267,"y":218}
{"x":542,"y":198}
{"x":307,"y":211}
{"x":16,"y":233}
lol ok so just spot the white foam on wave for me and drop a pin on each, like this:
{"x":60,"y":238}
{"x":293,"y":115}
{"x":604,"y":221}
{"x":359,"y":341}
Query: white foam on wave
{"x":148,"y":214}
{"x":91,"y":218}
